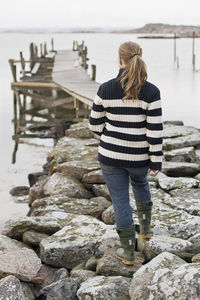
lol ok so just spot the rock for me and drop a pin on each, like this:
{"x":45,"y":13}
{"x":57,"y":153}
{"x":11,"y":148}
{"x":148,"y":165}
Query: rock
{"x":19,"y":191}
{"x":59,"y":183}
{"x":94,"y":177}
{"x":158,"y":244}
{"x":46,"y":224}
{"x":168,"y":221}
{"x":37,"y":190}
{"x":168,"y":183}
{"x":70,"y":149}
{"x":185,"y":199}
{"x":33,"y":177}
{"x":195,"y":240}
{"x":173,"y":131}
{"x":108,"y":216}
{"x":93,"y":207}
{"x":83,"y":237}
{"x":33,"y":238}
{"x":65,"y":288}
{"x":79,"y":130}
{"x":174,"y":122}
{"x":101,"y":287}
{"x":83,"y":275}
{"x":197,"y":151}
{"x":22,"y":263}
{"x":109,"y":265}
{"x":196,"y":258}
{"x":180,"y":168}
{"x":60,"y":274}
{"x":91,"y":264}
{"x":197,"y":176}
{"x":187,"y":154}
{"x":101,"y":190}
{"x":48,"y":274}
{"x":181,"y":141}
{"x":77,"y":168}
{"x":7,"y":243}
{"x":166,"y":277}
{"x":12,"y":289}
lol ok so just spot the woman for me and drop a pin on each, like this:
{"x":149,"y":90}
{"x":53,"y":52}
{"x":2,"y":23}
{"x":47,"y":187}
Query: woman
{"x":127,"y":115}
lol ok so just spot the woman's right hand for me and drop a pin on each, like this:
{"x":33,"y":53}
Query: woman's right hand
{"x":152,"y":172}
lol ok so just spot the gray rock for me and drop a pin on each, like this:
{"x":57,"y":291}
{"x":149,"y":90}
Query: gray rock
{"x":37,"y":190}
{"x":180,"y":168}
{"x":79,"y":130}
{"x":65,"y":288}
{"x":59,"y":183}
{"x":83,"y":237}
{"x":188,"y":154}
{"x":108,"y":216}
{"x":12,"y":289}
{"x":60,"y":274}
{"x":77,"y":168}
{"x":195,"y":240}
{"x":109,"y":265}
{"x":173,"y":122}
{"x":7,"y":243}
{"x":22,"y":263}
{"x":173,"y":130}
{"x":197,"y":176}
{"x":94,"y":177}
{"x":185,"y":199}
{"x":166,"y":277}
{"x":168,"y":183}
{"x":47,"y":273}
{"x":181,"y":141}
{"x":45,"y":224}
{"x":61,"y":202}
{"x":19,"y":191}
{"x":33,"y":238}
{"x":91,"y":264}
{"x":101,"y":190}
{"x":158,"y":244}
{"x":70,"y":149}
{"x":101,"y":287}
{"x":83,"y":275}
{"x":197,"y":151}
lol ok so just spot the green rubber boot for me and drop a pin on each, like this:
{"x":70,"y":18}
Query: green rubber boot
{"x":127,"y":240}
{"x":144,"y":216}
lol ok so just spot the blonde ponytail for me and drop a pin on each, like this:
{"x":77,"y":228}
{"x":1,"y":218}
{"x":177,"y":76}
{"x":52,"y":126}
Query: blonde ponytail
{"x":135,"y":74}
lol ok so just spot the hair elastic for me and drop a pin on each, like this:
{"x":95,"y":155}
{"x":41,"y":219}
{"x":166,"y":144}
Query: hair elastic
{"x":134,"y":55}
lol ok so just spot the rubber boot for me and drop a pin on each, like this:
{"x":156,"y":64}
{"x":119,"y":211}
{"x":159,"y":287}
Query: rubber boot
{"x":144,"y":216}
{"x":127,"y":240}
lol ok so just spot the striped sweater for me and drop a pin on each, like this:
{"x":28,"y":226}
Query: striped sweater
{"x":131,"y":131}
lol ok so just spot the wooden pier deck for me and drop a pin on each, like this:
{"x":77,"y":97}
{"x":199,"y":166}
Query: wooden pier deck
{"x":72,"y":78}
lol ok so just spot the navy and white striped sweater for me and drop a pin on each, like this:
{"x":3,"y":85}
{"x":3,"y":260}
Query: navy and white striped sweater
{"x":131,"y":131}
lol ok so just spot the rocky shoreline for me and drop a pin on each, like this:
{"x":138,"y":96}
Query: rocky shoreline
{"x":65,"y":247}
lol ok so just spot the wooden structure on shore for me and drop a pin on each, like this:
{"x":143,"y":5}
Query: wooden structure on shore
{"x":54,"y":79}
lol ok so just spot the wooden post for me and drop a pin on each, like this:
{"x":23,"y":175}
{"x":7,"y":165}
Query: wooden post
{"x":73,"y":46}
{"x":52,"y":45}
{"x":13,"y":69}
{"x":41,"y":50}
{"x":193,"y":50}
{"x":174,"y":47}
{"x":22,"y":63}
{"x":36,"y":50}
{"x":93,"y":77}
{"x":45,"y":48}
{"x":177,"y":62}
{"x":32,"y":55}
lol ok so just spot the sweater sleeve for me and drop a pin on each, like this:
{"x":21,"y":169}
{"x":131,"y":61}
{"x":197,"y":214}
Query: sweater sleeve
{"x":97,"y":115}
{"x":155,"y":132}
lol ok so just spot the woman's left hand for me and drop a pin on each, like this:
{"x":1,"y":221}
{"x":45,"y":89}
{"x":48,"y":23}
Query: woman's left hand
{"x":152,"y":172}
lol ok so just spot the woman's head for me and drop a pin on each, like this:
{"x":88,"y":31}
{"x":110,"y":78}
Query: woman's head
{"x":135,"y":73}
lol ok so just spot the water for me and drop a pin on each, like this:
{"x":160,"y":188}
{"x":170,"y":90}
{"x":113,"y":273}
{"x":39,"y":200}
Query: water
{"x":180,"y":91}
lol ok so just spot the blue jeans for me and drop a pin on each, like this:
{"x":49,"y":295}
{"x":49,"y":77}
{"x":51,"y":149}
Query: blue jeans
{"x":117,"y":180}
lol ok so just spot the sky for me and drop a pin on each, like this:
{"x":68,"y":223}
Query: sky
{"x":96,"y":13}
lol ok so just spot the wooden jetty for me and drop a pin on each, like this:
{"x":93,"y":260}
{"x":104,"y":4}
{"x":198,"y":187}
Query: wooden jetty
{"x":50,"y":80}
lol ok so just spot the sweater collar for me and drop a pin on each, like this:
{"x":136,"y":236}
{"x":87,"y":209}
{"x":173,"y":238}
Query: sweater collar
{"x":121,"y":70}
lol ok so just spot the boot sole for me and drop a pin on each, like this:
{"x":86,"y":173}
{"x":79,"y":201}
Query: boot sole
{"x":126,"y":262}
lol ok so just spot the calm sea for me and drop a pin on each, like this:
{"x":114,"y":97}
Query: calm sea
{"x":180,"y":91}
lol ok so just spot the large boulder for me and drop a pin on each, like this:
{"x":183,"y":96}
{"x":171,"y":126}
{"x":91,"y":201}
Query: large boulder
{"x":22,"y":263}
{"x":109,"y":265}
{"x":166,"y":277}
{"x":6,"y":243}
{"x":59,"y":183}
{"x":168,"y":183}
{"x":83,"y":237}
{"x":181,"y":141}
{"x":102,"y":287}
{"x":79,"y":130}
{"x":186,"y":154}
{"x":173,"y":131}
{"x":12,"y":289}
{"x":93,"y":207}
{"x":180,"y":168}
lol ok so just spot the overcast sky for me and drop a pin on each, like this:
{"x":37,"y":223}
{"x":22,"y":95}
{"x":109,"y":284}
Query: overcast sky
{"x":99,"y":13}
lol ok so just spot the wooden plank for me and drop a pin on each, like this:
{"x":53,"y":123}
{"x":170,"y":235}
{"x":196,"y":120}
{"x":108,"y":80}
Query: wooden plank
{"x":35,"y":84}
